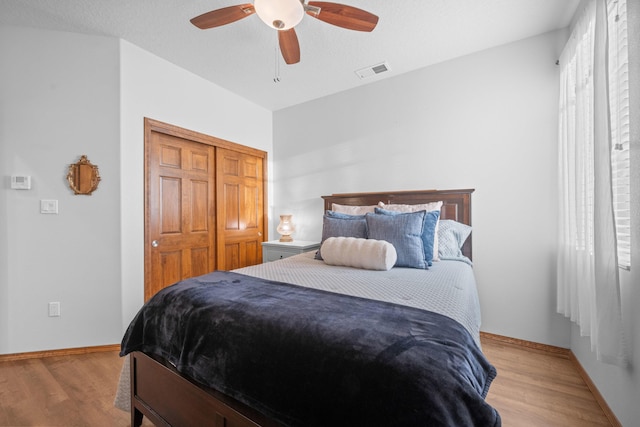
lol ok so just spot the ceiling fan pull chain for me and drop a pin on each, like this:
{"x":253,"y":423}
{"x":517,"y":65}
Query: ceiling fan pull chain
{"x":276,"y":65}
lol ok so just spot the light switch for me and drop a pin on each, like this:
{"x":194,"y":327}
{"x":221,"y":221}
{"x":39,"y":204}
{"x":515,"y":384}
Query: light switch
{"x":48,"y":206}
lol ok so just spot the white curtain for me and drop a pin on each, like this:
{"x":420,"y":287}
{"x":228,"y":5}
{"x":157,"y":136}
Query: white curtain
{"x":588,"y":282}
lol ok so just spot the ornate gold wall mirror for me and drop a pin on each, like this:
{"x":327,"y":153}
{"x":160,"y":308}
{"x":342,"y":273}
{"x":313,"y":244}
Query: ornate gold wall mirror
{"x":83,"y":176}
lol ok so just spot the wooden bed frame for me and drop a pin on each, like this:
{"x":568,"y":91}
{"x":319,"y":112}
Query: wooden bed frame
{"x":167,"y":398}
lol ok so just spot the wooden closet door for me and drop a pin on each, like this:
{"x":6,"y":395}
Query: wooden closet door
{"x":240,"y":208}
{"x":180,"y":229}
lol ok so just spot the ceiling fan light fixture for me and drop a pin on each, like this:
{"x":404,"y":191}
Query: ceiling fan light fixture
{"x":279,"y":14}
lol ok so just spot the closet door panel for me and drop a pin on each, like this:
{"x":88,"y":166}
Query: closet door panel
{"x":240,"y":209}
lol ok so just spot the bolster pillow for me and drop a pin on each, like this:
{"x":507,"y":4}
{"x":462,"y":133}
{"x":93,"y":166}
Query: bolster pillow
{"x":355,"y":252}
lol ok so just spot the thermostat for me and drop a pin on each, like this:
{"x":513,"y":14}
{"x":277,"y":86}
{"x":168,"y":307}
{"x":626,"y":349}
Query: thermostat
{"x":21,"y":182}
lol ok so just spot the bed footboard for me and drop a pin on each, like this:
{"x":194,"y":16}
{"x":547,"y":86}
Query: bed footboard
{"x":166,"y":398}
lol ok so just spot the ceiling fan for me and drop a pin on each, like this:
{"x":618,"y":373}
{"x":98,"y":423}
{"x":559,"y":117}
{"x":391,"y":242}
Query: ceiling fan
{"x":284,"y":15}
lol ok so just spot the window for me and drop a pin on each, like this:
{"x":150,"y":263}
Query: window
{"x":619,"y":106}
{"x":593,"y":155}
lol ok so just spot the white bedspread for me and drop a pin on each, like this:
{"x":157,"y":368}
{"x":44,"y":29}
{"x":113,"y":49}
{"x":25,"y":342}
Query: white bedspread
{"x":447,"y":288}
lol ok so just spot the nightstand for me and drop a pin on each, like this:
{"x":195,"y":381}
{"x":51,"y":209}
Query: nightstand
{"x":275,"y":249}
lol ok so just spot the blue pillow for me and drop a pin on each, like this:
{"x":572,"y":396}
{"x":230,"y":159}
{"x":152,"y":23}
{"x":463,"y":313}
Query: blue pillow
{"x":342,"y":226}
{"x":334,"y":214}
{"x":428,"y":231}
{"x":404,"y":232}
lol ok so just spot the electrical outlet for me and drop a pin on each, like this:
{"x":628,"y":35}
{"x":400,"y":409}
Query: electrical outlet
{"x":54,"y":309}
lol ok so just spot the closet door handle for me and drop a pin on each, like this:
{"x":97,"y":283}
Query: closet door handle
{"x":155,"y":243}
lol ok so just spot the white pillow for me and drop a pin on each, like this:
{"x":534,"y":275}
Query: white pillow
{"x":352,"y":210}
{"x":369,"y":254}
{"x":432,"y":206}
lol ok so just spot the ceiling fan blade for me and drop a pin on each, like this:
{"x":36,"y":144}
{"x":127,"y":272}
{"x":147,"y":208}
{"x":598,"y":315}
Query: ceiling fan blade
{"x":223,"y":16}
{"x":289,"y":46}
{"x":344,"y":16}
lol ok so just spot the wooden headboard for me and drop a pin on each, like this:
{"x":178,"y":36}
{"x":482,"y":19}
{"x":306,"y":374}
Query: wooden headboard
{"x":456,"y":204}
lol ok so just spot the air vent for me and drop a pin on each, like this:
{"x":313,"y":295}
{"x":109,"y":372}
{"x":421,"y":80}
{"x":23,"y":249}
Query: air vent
{"x":373,"y":70}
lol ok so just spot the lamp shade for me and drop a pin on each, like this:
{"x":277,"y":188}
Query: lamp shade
{"x":285,"y":228}
{"x":279,"y":14}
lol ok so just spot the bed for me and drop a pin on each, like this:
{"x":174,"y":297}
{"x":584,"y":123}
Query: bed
{"x":300,"y":342}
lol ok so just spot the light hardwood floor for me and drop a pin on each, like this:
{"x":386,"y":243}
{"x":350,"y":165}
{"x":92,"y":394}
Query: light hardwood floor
{"x":533,"y":388}
{"x":536,"y":387}
{"x":75,"y":390}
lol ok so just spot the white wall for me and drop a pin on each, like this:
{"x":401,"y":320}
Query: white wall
{"x":154,"y":88}
{"x":486,"y":121}
{"x":621,"y":386}
{"x":63,"y":95}
{"x":59,"y":99}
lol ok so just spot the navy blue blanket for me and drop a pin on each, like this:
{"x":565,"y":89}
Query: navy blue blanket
{"x":307,"y":357}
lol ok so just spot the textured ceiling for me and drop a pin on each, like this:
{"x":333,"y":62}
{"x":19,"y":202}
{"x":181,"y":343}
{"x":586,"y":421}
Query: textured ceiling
{"x":242,"y":56}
